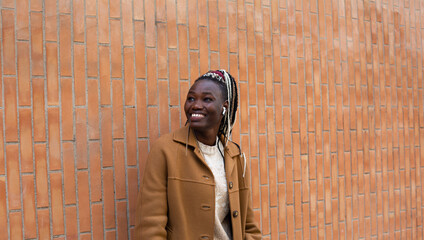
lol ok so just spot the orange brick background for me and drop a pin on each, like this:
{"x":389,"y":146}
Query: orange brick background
{"x":331,"y":111}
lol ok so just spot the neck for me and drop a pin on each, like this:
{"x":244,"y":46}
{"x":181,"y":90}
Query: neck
{"x":207,"y":138}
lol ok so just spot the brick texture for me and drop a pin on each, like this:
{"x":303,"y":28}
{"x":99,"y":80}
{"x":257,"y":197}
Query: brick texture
{"x":331,"y":110}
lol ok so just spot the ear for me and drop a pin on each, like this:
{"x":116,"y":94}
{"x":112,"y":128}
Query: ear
{"x":225,"y":104}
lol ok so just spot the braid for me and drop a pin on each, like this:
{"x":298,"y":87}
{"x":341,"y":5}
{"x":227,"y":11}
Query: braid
{"x":229,"y":91}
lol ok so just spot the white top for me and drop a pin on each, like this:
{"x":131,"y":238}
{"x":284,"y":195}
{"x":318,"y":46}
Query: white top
{"x":215,"y":161}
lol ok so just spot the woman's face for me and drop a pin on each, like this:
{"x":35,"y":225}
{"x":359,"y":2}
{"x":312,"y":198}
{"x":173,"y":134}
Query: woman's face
{"x":203,"y":106}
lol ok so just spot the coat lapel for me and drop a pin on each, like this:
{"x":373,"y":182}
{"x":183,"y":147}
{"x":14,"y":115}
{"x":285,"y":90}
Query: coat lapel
{"x":185,"y":135}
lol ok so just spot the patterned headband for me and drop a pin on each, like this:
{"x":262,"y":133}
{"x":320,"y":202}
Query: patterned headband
{"x":218,"y":75}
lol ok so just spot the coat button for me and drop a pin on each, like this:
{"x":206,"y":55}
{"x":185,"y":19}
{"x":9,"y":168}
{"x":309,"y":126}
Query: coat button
{"x":230,"y":185}
{"x":235,"y":214}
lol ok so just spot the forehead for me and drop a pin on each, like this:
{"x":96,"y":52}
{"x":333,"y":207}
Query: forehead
{"x":206,"y":86}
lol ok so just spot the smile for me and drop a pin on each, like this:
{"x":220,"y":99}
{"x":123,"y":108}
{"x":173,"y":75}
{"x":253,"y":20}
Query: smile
{"x":196,"y":116}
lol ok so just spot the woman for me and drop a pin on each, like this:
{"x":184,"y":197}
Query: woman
{"x":195,"y":184}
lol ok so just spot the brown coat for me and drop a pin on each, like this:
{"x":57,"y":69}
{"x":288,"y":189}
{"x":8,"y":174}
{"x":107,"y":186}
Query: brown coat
{"x":177,"y":193}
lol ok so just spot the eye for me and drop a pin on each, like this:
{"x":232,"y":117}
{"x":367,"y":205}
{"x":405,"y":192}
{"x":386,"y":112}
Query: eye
{"x":190,"y":99}
{"x":208,"y":99}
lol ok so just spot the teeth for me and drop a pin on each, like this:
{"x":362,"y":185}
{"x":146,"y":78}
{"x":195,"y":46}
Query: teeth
{"x":196,"y":115}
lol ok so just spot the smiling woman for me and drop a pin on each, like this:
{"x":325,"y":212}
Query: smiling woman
{"x":195,"y":184}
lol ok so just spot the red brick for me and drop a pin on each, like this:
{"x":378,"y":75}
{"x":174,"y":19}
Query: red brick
{"x":153,"y":128}
{"x":287,"y":131}
{"x":242,"y":55}
{"x":2,"y":165}
{"x":25,"y":137}
{"x":79,"y":75}
{"x":24,"y":81}
{"x":122,"y":225}
{"x":173,"y":78}
{"x":111,"y":235}
{"x":37,"y":43}
{"x":184,"y":87}
{"x":22,"y":25}
{"x":29,"y":206}
{"x":192,"y":23}
{"x":253,"y":132}
{"x":265,"y":210}
{"x":50,"y":8}
{"x":54,"y":138}
{"x":71,"y":222}
{"x":69,"y":173}
{"x":43,"y":216}
{"x":67,"y":109}
{"x":129,"y":76}
{"x":52,"y":74}
{"x":139,"y":42}
{"x":115,"y":48}
{"x":142,"y":155}
{"x":119,"y":163}
{"x":3,"y":209}
{"x":297,"y":205}
{"x":81,"y":138}
{"x":83,"y":201}
{"x":151,"y":77}
{"x":13,"y":180}
{"x":41,"y":178}
{"x":92,"y":49}
{"x":103,"y":19}
{"x":65,"y":46}
{"x":109,"y":198}
{"x":10,"y":109}
{"x":85,"y":236}
{"x":252,"y":80}
{"x":127,"y":23}
{"x":290,"y":222}
{"x":141,"y":109}
{"x":263,"y":160}
{"x":162,"y":66}
{"x":183,"y":51}
{"x":150,"y":24}
{"x":106,"y":140}
{"x":117,"y":109}
{"x":39,"y":119}
{"x":261,"y":109}
{"x":213,"y":25}
{"x":97,"y":213}
{"x":15,"y":225}
{"x":57,"y":203}
{"x":223,"y":49}
{"x":132,"y":179}
{"x":115,"y":9}
{"x":104,"y":71}
{"x":95,"y":172}
{"x":131,"y":137}
{"x":203,"y":51}
{"x":93,"y":109}
{"x":8,"y":40}
{"x":255,"y":185}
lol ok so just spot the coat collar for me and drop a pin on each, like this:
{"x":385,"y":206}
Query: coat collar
{"x":185,"y":135}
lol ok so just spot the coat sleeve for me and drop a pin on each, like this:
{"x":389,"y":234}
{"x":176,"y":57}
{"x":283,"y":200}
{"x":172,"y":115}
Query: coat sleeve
{"x":152,"y":205}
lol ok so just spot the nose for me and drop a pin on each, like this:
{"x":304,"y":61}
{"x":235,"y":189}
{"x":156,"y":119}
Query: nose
{"x":197,"y":105}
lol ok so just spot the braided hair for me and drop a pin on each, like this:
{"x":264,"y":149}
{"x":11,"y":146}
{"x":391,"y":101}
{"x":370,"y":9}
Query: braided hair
{"x":228,"y":86}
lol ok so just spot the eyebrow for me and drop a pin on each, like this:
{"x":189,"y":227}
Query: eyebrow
{"x":210,"y":93}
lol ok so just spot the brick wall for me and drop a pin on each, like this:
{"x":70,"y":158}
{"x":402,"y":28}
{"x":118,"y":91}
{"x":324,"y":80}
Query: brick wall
{"x":331,"y":111}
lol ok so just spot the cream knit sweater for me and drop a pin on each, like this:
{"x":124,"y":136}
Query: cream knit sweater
{"x":215,"y":161}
